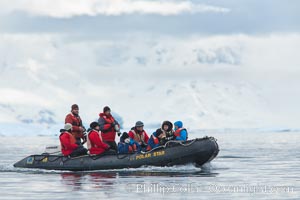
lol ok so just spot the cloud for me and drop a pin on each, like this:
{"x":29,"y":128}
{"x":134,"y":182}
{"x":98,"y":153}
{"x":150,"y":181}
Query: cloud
{"x":70,"y":8}
{"x":170,"y":17}
{"x":270,"y":52}
{"x":21,"y":98}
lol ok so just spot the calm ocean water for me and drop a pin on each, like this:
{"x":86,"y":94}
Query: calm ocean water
{"x":249,"y":166}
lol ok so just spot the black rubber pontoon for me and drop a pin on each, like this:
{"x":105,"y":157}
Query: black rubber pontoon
{"x":198,"y":151}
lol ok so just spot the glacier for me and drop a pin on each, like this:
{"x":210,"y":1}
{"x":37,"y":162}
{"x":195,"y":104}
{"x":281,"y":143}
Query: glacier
{"x":233,"y":82}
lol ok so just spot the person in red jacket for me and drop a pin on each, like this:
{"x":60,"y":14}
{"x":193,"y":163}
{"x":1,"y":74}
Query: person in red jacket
{"x":138,"y":134}
{"x":95,"y":143}
{"x":68,"y":143}
{"x":77,"y":127}
{"x":109,"y":126}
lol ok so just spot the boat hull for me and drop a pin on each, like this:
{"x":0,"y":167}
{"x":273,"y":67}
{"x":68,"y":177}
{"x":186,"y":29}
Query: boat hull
{"x":198,"y":151}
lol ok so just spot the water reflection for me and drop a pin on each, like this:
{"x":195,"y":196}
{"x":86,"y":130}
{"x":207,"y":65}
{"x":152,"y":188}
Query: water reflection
{"x":101,"y":180}
{"x":72,"y":179}
{"x":107,"y":179}
{"x":165,"y":174}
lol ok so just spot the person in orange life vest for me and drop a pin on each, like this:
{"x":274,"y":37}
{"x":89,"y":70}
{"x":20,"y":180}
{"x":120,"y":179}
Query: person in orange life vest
{"x":77,"y":127}
{"x":167,"y":128}
{"x":157,"y":139}
{"x":180,"y":132}
{"x":94,"y":140}
{"x":128,"y":145}
{"x":69,"y":147}
{"x":138,"y":134}
{"x":108,"y":126}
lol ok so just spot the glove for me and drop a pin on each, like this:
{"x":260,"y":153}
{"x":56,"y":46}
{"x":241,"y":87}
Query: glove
{"x":119,"y":133}
{"x":127,"y":141}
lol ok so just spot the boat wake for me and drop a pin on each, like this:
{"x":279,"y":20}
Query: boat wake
{"x":207,"y":169}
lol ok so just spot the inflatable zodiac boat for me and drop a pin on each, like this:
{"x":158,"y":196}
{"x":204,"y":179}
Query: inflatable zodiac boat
{"x":197,"y":151}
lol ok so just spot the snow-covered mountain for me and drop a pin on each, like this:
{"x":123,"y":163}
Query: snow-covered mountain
{"x":207,"y":82}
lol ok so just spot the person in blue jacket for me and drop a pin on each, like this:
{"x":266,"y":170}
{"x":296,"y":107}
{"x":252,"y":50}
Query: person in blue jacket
{"x":157,"y":139}
{"x":180,"y":132}
{"x":127,"y":145}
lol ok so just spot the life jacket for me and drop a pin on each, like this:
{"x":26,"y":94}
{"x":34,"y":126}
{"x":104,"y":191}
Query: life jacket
{"x":89,"y":143}
{"x":72,"y":139}
{"x":139,"y":137}
{"x":155,"y":141}
{"x":177,"y":132}
{"x":107,"y":120}
{"x":169,"y":134}
{"x":75,"y":121}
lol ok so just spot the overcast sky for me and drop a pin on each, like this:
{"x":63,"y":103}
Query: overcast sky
{"x":177,"y":18}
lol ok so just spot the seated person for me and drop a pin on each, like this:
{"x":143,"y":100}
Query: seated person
{"x":180,"y":132}
{"x":157,"y":139}
{"x":69,"y":147}
{"x":167,"y":128}
{"x":127,"y":145}
{"x":95,"y":143}
{"x":138,"y":134}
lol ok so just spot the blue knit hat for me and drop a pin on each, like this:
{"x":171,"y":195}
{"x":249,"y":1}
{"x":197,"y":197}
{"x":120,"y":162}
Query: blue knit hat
{"x":179,"y":124}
